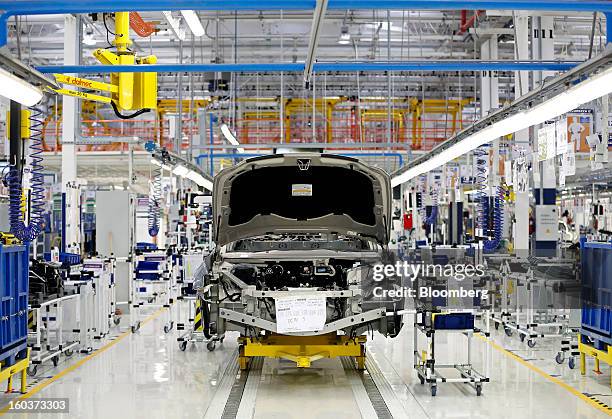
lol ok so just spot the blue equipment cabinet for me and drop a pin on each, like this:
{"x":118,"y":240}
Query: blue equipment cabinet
{"x":596,"y":260}
{"x":14,"y":274}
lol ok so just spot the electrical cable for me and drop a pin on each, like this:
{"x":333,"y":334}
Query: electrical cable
{"x":134,"y":115}
{"x":108,"y":31}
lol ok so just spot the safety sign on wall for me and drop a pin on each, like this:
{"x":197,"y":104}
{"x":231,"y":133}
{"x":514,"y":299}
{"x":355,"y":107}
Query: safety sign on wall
{"x":547,"y":221}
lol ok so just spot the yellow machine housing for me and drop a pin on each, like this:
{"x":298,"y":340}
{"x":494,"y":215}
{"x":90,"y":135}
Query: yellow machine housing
{"x":128,"y":91}
{"x":134,"y":90}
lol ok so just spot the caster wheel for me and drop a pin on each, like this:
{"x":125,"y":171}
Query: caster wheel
{"x":68,"y":352}
{"x":210,"y":346}
{"x":183,"y":346}
{"x":117,"y":320}
{"x":434,"y":390}
{"x":136,"y":327}
{"x":522,"y":337}
{"x":508,"y":331}
{"x":422,"y":380}
{"x":478,"y":390}
{"x":32,"y":370}
{"x":496,"y":326}
{"x":55,"y":360}
{"x":571,"y":363}
{"x":531,"y":343}
{"x":168,"y":327}
{"x":559,"y":358}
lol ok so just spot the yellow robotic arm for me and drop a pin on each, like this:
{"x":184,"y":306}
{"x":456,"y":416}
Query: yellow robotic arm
{"x":128,"y":91}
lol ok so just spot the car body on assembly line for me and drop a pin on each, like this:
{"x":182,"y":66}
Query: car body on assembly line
{"x":307,"y":227}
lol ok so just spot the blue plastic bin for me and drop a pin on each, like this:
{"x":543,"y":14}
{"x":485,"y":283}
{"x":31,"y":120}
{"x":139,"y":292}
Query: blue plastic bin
{"x":144,"y":268}
{"x":596,"y":260}
{"x":14,"y":275}
{"x":453,"y":321}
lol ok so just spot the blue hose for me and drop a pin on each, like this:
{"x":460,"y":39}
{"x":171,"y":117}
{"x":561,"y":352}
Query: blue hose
{"x":154,"y":203}
{"x":482,"y":209}
{"x":498,"y":222}
{"x":37,"y":196}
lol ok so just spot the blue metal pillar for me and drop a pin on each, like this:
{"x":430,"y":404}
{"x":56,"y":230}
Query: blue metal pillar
{"x":210,"y":130}
{"x":609,"y":28}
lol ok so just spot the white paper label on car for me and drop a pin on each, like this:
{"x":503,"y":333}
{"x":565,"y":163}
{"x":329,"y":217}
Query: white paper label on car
{"x":300,"y":314}
{"x":301,"y":189}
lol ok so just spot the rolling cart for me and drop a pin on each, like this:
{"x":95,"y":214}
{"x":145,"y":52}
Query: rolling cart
{"x":428,"y":371}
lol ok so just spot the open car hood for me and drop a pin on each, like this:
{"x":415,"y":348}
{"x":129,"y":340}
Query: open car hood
{"x":301,"y":193}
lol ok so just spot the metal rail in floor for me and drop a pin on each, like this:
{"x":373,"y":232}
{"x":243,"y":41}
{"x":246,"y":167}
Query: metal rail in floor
{"x":236,"y":395}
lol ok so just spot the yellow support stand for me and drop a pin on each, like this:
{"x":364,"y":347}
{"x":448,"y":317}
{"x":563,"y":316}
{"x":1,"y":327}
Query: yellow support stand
{"x":303,"y":350}
{"x":19,"y":367}
{"x":587,"y":350}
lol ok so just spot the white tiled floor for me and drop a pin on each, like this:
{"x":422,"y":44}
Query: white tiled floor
{"x":145,"y":375}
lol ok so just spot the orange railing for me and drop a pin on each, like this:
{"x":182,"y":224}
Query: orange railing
{"x":420,"y":130}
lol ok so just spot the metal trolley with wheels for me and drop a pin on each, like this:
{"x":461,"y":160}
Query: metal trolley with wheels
{"x":196,"y":332}
{"x":50,"y":332}
{"x":428,"y":371}
{"x":152,"y":286}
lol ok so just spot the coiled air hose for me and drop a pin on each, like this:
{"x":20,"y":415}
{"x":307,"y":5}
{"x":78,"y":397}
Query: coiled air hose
{"x":155,"y":202}
{"x":498,"y":221}
{"x":13,"y":179}
{"x":483,"y":207}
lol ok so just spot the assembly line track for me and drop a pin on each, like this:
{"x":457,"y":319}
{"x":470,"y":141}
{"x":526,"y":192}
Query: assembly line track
{"x":236,"y":394}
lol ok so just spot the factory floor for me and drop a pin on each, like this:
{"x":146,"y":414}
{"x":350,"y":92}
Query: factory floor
{"x":145,"y":375}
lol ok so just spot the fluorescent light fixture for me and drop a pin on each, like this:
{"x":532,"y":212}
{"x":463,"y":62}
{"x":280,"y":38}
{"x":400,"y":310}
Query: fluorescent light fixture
{"x":19,"y":90}
{"x":229,"y":136}
{"x":200,"y":180}
{"x":174,"y":25}
{"x":384,"y":26}
{"x":180,"y":170}
{"x":89,"y":39}
{"x":193,"y":21}
{"x":590,"y":89}
{"x":345,"y":36}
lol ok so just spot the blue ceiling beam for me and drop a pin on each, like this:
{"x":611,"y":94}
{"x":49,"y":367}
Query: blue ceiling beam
{"x":37,"y":7}
{"x":25,"y":7}
{"x":468,"y":65}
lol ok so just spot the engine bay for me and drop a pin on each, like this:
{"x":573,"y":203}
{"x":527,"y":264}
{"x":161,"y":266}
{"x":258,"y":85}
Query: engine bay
{"x":278,"y":276}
